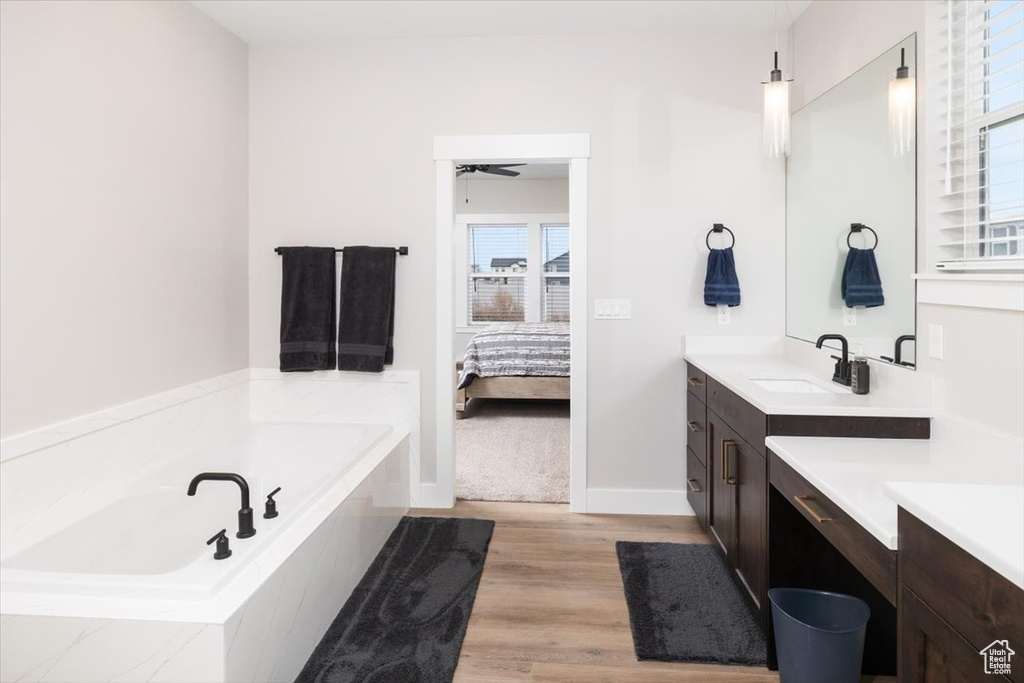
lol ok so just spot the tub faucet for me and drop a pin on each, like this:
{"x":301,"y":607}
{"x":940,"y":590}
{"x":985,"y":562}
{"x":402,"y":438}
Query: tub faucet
{"x":245,"y":527}
{"x":841,"y":373}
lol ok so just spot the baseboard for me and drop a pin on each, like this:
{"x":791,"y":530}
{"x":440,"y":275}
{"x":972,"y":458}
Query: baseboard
{"x":638,"y":502}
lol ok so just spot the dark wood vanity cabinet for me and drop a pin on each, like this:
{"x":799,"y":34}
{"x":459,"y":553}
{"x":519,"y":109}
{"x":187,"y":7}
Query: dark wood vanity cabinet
{"x":739,"y":505}
{"x":726,"y":460}
{"x":951,"y":607}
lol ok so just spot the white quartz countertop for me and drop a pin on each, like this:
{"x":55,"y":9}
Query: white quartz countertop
{"x":987,"y":521}
{"x":965,"y":482}
{"x":737,"y":372}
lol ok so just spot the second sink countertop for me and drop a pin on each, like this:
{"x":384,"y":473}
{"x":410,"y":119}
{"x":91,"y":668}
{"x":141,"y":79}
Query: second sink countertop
{"x":736,"y":371}
{"x":963,"y":482}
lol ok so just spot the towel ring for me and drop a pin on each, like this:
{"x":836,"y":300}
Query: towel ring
{"x":860,"y":227}
{"x":718,"y":227}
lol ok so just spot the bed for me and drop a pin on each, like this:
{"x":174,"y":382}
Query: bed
{"x":515,"y":360}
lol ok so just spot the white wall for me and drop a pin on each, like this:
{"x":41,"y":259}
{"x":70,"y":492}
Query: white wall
{"x":123,"y":225}
{"x":512,"y":195}
{"x":981,"y":377}
{"x":675,"y":124}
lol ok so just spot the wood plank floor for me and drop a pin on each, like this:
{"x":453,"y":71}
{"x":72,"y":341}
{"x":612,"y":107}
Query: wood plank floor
{"x":550,"y":608}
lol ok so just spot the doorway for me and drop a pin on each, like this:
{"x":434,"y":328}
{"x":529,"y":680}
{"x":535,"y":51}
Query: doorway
{"x":450,"y":151}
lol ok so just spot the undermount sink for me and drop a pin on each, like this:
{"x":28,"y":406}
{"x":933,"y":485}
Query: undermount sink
{"x":790,"y":386}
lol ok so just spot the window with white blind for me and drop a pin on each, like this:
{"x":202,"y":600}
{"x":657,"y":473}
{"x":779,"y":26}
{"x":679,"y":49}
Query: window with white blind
{"x":981,"y":218}
{"x":502,"y":282}
{"x":556,"y":273}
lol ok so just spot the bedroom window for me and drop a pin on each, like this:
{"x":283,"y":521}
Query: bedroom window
{"x":502,"y":283}
{"x":497,"y":273}
{"x":556,"y":273}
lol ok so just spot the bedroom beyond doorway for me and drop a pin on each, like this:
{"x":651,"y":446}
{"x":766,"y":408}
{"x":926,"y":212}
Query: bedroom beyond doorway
{"x":512,"y":334}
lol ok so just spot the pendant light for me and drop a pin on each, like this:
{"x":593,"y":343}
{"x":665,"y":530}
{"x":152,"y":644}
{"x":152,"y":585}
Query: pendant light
{"x":775,"y":135}
{"x":902,"y":109}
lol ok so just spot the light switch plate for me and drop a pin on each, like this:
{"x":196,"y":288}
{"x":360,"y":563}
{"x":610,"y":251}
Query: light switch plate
{"x":935,"y":342}
{"x":849,"y":317}
{"x":613,"y":309}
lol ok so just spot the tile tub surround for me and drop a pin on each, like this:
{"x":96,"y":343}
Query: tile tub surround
{"x":866,"y":478}
{"x":51,"y":478}
{"x":267,"y":637}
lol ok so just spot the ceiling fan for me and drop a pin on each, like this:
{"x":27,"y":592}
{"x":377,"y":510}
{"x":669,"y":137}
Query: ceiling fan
{"x":493,"y":169}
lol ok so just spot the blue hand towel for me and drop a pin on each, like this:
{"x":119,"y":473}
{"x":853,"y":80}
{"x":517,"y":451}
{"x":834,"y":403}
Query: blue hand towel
{"x":862,"y":285}
{"x":721,"y":286}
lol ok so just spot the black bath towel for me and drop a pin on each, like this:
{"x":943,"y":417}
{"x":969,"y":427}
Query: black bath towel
{"x":721,"y":285}
{"x":366,"y":325}
{"x":861,"y":284}
{"x":307,"y":309}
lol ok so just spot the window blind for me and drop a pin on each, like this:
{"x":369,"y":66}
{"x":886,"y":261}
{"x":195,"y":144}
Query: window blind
{"x":497,"y":284}
{"x":981,"y":216}
{"x":555,"y":303}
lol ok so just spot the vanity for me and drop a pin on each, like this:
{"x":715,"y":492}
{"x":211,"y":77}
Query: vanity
{"x":802,"y":483}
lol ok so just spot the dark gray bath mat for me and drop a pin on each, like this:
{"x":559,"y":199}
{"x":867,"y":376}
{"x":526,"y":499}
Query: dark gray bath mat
{"x":684,"y":606}
{"x":405,"y":621}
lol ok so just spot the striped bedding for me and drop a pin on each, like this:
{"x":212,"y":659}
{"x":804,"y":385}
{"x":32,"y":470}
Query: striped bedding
{"x":517,"y":350}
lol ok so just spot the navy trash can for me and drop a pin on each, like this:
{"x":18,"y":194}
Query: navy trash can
{"x":819,"y":636}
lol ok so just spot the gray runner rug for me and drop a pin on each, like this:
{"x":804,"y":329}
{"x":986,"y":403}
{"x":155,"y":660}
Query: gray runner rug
{"x":684,"y":606}
{"x":405,"y":621}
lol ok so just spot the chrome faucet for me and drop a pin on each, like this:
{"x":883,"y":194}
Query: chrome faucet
{"x":841,"y":373}
{"x":245,"y":527}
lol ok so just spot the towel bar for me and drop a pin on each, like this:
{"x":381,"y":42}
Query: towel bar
{"x":860,"y":227}
{"x":718,"y":227}
{"x":402,"y":251}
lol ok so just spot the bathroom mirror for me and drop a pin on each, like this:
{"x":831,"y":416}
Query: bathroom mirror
{"x":850,"y":164}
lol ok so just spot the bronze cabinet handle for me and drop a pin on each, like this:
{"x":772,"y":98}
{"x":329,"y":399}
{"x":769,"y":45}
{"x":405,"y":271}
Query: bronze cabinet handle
{"x":694,"y":382}
{"x":726,"y":445}
{"x":802,"y":502}
{"x":693,"y":425}
{"x":692,"y":483}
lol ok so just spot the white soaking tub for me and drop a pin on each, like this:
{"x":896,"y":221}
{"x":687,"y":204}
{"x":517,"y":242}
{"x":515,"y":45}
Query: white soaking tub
{"x":132,"y":591}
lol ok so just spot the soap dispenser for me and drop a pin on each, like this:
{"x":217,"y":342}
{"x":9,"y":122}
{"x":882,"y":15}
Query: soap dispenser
{"x":860,"y":372}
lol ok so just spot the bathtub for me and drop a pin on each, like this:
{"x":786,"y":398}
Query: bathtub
{"x":132,"y":592}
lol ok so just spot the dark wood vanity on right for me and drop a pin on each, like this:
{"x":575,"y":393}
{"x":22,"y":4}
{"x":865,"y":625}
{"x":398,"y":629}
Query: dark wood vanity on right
{"x":774,"y":528}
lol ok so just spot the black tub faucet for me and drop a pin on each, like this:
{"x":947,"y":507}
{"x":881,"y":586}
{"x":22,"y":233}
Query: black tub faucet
{"x":245,"y":527}
{"x":841,"y":373}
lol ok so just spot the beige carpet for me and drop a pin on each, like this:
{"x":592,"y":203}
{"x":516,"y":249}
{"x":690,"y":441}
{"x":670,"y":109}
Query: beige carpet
{"x":516,"y":451}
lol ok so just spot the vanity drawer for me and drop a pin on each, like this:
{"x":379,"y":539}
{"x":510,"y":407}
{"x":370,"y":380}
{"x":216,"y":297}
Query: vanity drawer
{"x":697,"y":430}
{"x":746,"y":420}
{"x":978,"y":603}
{"x":872,"y":559}
{"x":696,"y":382}
{"x":697,"y":487}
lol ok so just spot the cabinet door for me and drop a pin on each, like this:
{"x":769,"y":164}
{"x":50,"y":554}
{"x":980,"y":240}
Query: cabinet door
{"x":722,"y":506}
{"x":931,"y":651}
{"x":750,"y":471}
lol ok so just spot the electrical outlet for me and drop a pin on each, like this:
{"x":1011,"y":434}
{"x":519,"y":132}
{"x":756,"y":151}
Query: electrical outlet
{"x":849,"y":316}
{"x":613,"y":309}
{"x":723,"y":315}
{"x":935,"y":342}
